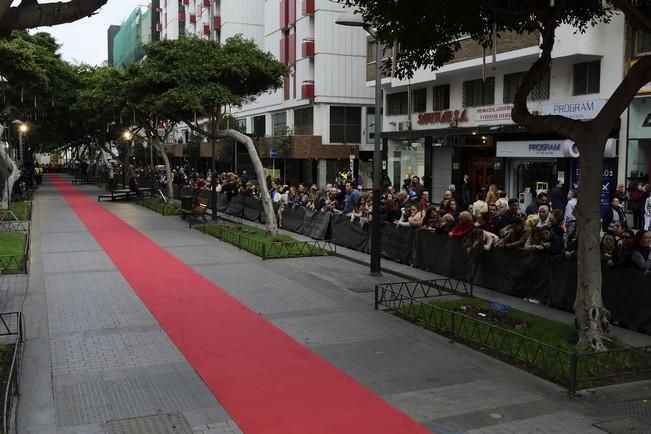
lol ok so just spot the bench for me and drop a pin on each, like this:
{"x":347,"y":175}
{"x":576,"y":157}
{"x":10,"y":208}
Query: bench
{"x":143,"y":192}
{"x":117,"y":195}
{"x":85,"y":180}
{"x":196,"y":213}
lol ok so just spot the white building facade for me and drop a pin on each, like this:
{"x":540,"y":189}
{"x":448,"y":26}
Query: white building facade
{"x":457,"y":121}
{"x":324,"y":103}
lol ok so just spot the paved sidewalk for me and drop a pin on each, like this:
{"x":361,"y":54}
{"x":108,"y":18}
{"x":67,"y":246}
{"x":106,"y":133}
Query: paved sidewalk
{"x":94,"y":354}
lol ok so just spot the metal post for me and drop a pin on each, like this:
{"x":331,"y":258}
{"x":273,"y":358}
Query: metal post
{"x":20,"y":147}
{"x":213,"y":182}
{"x":376,"y":229}
{"x":573,"y":374}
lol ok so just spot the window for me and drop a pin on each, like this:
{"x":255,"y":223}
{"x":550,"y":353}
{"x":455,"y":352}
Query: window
{"x":513,"y":81}
{"x":241,"y":125}
{"x":279,"y":124}
{"x":304,"y":122}
{"x":419,"y":100}
{"x":345,"y":124}
{"x":479,"y":92}
{"x":259,"y":126}
{"x":441,"y":97}
{"x":397,"y":103}
{"x":587,"y":77}
{"x":641,"y":44}
{"x":370,"y":124}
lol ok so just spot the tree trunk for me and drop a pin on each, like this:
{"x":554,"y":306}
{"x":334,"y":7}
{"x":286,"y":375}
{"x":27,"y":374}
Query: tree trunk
{"x":267,"y":204}
{"x":591,"y":318}
{"x":168,"y":167}
{"x":10,"y":173}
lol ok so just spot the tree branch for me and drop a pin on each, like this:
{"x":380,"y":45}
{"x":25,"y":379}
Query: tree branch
{"x":634,"y":17}
{"x":196,"y":128}
{"x":638,"y":76}
{"x":34,"y":14}
{"x":549,"y":124}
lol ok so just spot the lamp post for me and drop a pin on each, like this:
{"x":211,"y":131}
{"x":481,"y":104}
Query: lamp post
{"x":22,"y":130}
{"x":376,"y":229}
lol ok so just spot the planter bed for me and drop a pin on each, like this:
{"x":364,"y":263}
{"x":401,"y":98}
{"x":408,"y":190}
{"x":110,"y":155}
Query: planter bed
{"x":160,"y":207}
{"x":257,"y":241}
{"x":543,"y":347}
{"x":14,"y":250}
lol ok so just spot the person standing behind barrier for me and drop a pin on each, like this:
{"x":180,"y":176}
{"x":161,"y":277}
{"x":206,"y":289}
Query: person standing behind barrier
{"x":647,"y":209}
{"x":637,"y":205}
{"x":479,"y":206}
{"x":541,"y":199}
{"x":466,"y":196}
{"x":614,"y":214}
{"x":641,"y":256}
{"x":491,"y":195}
{"x":463,"y":228}
{"x":352,"y":199}
{"x":570,"y":219}
{"x":557,"y":197}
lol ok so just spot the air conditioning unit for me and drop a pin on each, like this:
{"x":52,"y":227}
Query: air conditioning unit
{"x":404,"y":126}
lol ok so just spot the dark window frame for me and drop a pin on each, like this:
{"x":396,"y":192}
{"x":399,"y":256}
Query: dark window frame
{"x":539,"y":93}
{"x":398,"y":103}
{"x":586,"y":78}
{"x":347,"y":128}
{"x":441,"y":97}
{"x":484,"y":88}
{"x":256,"y":125}
{"x":306,"y":125}
{"x":419,"y":100}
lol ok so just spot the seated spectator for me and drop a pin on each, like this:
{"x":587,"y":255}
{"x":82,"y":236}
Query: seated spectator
{"x":432,"y":220}
{"x":391,"y":208}
{"x":543,"y":216}
{"x":541,"y":199}
{"x":608,"y":249}
{"x":502,"y":202}
{"x":538,"y":240}
{"x":417,"y":217}
{"x":463,"y":227}
{"x":641,"y":256}
{"x":424,"y":201}
{"x":447,"y":223}
{"x":503,"y":218}
{"x":514,"y":236}
{"x":404,"y":218}
{"x":479,"y":206}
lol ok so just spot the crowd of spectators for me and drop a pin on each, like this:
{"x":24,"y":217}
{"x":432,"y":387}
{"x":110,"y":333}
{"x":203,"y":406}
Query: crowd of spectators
{"x":490,"y":221}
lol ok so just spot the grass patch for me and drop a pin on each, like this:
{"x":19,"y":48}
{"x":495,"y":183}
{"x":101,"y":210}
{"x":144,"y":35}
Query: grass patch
{"x":541,"y":346}
{"x":161,"y":207}
{"x":12,"y":252}
{"x":258,"y":242}
{"x":21,"y":210}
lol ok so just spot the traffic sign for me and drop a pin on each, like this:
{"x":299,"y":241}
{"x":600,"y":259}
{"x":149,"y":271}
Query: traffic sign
{"x":273,"y":153}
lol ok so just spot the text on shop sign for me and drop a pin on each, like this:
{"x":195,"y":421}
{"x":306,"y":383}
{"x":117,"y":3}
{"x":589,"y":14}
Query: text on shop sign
{"x":443,"y":117}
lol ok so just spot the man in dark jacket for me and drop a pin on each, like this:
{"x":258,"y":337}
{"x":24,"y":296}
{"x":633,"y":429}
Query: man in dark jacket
{"x":541,"y":199}
{"x":613,"y":214}
{"x":557,"y":197}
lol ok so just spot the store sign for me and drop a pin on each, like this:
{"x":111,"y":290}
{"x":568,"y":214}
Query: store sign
{"x":533,"y":148}
{"x":579,"y":110}
{"x":494,"y":113}
{"x":443,"y":117}
{"x":547,"y":149}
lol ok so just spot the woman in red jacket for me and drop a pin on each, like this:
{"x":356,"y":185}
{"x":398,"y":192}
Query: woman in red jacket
{"x":464,"y":226}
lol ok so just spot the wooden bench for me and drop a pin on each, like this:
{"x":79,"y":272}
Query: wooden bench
{"x":196,"y":213}
{"x":143,"y":192}
{"x":117,"y":195}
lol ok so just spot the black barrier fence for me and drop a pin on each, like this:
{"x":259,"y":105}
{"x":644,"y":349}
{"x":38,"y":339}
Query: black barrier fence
{"x":530,"y":275}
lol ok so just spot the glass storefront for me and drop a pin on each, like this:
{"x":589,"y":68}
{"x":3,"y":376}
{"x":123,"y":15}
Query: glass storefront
{"x":638,"y":158}
{"x":405,"y":161}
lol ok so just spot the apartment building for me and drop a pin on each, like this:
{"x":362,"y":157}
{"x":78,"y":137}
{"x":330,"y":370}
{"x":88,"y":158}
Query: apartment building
{"x":456,"y":121}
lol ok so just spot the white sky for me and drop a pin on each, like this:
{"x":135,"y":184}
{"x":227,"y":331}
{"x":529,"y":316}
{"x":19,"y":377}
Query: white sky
{"x":84,"y":41}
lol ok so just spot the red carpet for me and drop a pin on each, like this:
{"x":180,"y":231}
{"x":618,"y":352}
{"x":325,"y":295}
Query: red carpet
{"x":267,"y":382}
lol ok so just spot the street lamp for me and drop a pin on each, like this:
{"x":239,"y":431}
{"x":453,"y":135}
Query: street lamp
{"x":22,"y":130}
{"x":376,"y":229}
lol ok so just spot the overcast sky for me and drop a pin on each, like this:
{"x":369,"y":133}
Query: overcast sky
{"x":84,"y":41}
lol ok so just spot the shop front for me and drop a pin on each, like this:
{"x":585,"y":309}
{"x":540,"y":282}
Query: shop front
{"x":532,"y":166}
{"x":638,"y":158}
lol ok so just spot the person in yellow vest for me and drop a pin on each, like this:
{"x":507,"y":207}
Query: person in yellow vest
{"x":38,"y":174}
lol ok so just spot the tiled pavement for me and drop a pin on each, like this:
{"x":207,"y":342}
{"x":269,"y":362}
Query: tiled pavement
{"x":94,"y":353}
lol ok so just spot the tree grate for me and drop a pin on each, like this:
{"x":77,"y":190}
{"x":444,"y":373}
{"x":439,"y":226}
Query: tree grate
{"x":170,"y":423}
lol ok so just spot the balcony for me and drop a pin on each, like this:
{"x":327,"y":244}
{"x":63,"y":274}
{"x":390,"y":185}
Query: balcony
{"x":182,"y":16}
{"x":308,"y":7}
{"x":308,"y":48}
{"x":217,"y":24}
{"x":307,"y":89}
{"x":193,"y":18}
{"x":186,"y":2}
{"x":206,"y":3}
{"x":206,"y":29}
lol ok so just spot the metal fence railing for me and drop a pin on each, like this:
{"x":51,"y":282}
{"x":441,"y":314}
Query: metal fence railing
{"x":12,"y":326}
{"x":573,"y":370}
{"x":15,"y":263}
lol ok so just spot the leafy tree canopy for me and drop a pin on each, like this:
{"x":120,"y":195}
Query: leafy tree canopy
{"x":428,"y":31}
{"x":171,"y":83}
